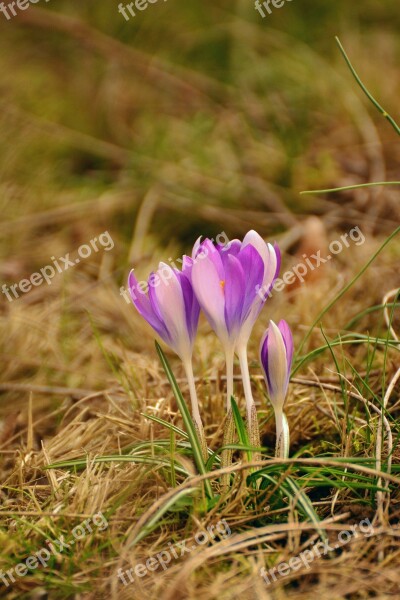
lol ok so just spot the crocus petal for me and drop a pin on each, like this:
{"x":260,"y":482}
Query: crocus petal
{"x":234,"y":285}
{"x":253,"y":267}
{"x":168,"y":298}
{"x":264,"y":357}
{"x":275,"y":358}
{"x":271,"y":264}
{"x":187,"y":264}
{"x":196,"y":247}
{"x":270,"y":256}
{"x":192,"y":307}
{"x":208,"y":287}
{"x":233,"y":247}
{"x":288,"y":341}
{"x":208,"y":251}
{"x":144,"y":307}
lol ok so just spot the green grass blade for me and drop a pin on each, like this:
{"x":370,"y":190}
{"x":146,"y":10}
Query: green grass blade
{"x":187,"y":419}
{"x":307,"y":506}
{"x":118,"y":458}
{"x":367,"y":311}
{"x":360,"y":339}
{"x":240,"y":426}
{"x":169,"y":426}
{"x":350,"y":187}
{"x":152,"y":523}
{"x":346,"y":288}
{"x":366,"y":91}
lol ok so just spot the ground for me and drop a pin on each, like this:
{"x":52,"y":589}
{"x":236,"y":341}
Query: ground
{"x":131,"y":139}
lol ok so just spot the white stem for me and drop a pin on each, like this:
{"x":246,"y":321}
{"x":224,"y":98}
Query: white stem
{"x":229,"y":356}
{"x":244,"y":368}
{"x":192,"y":390}
{"x":282,"y":435}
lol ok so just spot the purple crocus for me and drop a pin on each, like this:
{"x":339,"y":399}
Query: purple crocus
{"x":171,"y":308}
{"x":225,"y":281}
{"x":271,"y":258}
{"x":231,"y":283}
{"x":276,"y":355}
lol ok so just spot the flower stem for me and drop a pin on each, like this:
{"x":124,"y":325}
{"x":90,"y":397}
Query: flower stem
{"x":244,"y":368}
{"x":192,"y":390}
{"x":229,"y":355}
{"x":282,"y":435}
{"x":195,"y":407}
{"x":252,"y":422}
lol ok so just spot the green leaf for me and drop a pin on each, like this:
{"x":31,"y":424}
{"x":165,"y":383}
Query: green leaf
{"x":118,"y":458}
{"x":152,"y":523}
{"x":187,"y":419}
{"x":169,"y":426}
{"x":240,"y":426}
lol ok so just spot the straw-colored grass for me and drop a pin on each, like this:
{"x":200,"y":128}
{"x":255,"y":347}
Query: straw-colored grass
{"x":100,"y":136}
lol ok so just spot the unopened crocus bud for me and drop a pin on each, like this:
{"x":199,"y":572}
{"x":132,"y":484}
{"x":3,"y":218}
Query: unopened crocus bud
{"x":276,"y":354}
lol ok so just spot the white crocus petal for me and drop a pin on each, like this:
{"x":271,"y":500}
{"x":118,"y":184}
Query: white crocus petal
{"x":277,"y":366}
{"x":270,"y":265}
{"x":196,"y":247}
{"x":253,"y":238}
{"x":267,"y":253}
{"x":171,"y":305}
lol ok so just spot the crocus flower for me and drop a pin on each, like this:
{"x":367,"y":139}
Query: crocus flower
{"x":225,"y":281}
{"x":169,"y":306}
{"x":232,"y":283}
{"x":172,"y":310}
{"x":276,"y":355}
{"x":271,"y":257}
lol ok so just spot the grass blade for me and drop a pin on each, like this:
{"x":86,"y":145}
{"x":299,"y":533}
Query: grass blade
{"x":187,"y":419}
{"x":350,"y":187}
{"x":152,"y":523}
{"x":240,"y":427}
{"x":365,"y":90}
{"x":347,"y":287}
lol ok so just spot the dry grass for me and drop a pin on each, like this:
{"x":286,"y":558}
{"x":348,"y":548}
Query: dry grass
{"x":225,"y":150}
{"x":95,"y":420}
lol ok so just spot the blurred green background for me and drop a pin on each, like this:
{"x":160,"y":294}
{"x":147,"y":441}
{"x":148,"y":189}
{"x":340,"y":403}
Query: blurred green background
{"x":189,"y":119}
{"x":218,"y":114}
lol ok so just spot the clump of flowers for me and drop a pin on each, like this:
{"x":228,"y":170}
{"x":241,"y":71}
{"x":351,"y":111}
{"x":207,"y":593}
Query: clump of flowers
{"x":230,"y":284}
